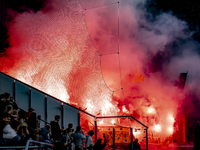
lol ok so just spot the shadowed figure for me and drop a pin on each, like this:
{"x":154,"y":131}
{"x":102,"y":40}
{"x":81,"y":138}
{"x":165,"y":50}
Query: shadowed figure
{"x":197,"y":137}
{"x":98,"y":145}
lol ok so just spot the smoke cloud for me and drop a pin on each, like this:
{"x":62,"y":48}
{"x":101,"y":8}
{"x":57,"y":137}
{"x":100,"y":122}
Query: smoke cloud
{"x":160,"y":47}
{"x":101,"y":58}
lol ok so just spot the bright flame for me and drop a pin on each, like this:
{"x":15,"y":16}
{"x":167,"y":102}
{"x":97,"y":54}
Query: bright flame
{"x":89,"y":107}
{"x":64,"y":97}
{"x":101,"y":122}
{"x":113,"y":122}
{"x":62,"y":63}
{"x":104,"y":112}
{"x":157,"y":128}
{"x":151,"y":110}
{"x":136,"y":132}
{"x":124,"y":109}
{"x":171,"y":118}
{"x":107,"y":107}
{"x":170,"y":130}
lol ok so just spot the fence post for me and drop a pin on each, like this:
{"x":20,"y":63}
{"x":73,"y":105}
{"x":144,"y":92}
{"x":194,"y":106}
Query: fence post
{"x":46,"y":109}
{"x":40,"y":147}
{"x":146,"y":138}
{"x":29,"y":92}
{"x":131,"y":146}
{"x":14,"y":91}
{"x":95,"y":123}
{"x":62,"y":116}
{"x":113,"y":138}
{"x":79,"y":119}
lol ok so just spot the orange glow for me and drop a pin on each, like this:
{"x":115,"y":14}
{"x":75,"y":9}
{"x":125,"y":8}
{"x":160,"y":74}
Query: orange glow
{"x":124,"y":109}
{"x":101,"y":122}
{"x":170,"y":129}
{"x":171,"y":118}
{"x":151,"y":110}
{"x":113,"y":121}
{"x":157,"y":128}
{"x":136,"y":132}
{"x":61,"y":53}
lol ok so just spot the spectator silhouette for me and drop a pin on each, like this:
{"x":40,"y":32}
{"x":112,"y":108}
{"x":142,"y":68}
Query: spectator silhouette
{"x":67,"y":137}
{"x":10,"y":101}
{"x":30,"y":110}
{"x":23,"y":133}
{"x":2,"y":104}
{"x":197,"y":137}
{"x":136,"y":145}
{"x":31,"y":121}
{"x":55,"y":129}
{"x":98,"y":145}
{"x":3,"y":122}
{"x":89,"y":143}
{"x":70,"y":126}
{"x":61,"y":145}
{"x":45,"y":134}
{"x":78,"y":137}
{"x":10,"y":136}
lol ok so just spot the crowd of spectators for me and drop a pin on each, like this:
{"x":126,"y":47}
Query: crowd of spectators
{"x":17,"y":126}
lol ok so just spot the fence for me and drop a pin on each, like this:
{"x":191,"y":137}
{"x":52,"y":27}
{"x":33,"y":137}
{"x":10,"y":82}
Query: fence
{"x":37,"y":145}
{"x":48,"y":106}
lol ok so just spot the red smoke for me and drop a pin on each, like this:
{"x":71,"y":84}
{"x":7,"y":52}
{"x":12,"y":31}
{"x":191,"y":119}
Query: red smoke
{"x":100,"y":59}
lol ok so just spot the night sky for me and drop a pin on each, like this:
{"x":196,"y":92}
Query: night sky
{"x":188,"y":11}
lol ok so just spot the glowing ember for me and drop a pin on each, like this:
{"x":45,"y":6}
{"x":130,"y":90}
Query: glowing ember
{"x":101,"y":122}
{"x":151,"y":110}
{"x":171,"y":118}
{"x":113,"y":121}
{"x":157,"y":128}
{"x":136,"y":132}
{"x":170,"y":130}
{"x":53,"y":51}
{"x":124,"y":109}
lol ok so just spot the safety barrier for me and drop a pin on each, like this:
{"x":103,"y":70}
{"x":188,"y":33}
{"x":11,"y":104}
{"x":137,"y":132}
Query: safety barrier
{"x":38,"y":145}
{"x":47,"y":106}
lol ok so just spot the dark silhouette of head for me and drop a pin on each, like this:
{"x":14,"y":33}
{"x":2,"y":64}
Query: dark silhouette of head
{"x":57,"y":117}
{"x":7,"y":96}
{"x":91,"y":133}
{"x":48,"y":127}
{"x":99,"y":140}
{"x":136,"y":140}
{"x":70,"y":125}
{"x":6,"y":118}
{"x":78,"y":128}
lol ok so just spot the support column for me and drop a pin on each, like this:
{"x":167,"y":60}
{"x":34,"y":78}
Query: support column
{"x":14,"y":91}
{"x":113,"y":138}
{"x":79,"y":119}
{"x":146,"y":138}
{"x":131,"y":138}
{"x":62,"y":116}
{"x":29,"y":97}
{"x":95,"y":123}
{"x":46,"y":109}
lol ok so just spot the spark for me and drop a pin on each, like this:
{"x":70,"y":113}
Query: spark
{"x":151,"y":110}
{"x":157,"y":128}
{"x":170,"y":129}
{"x":113,"y":122}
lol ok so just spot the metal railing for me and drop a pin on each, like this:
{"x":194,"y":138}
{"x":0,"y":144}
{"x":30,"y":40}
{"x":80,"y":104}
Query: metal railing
{"x":38,"y":145}
{"x":41,"y":145}
{"x":108,"y":117}
{"x":17,"y":147}
{"x":80,"y":110}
